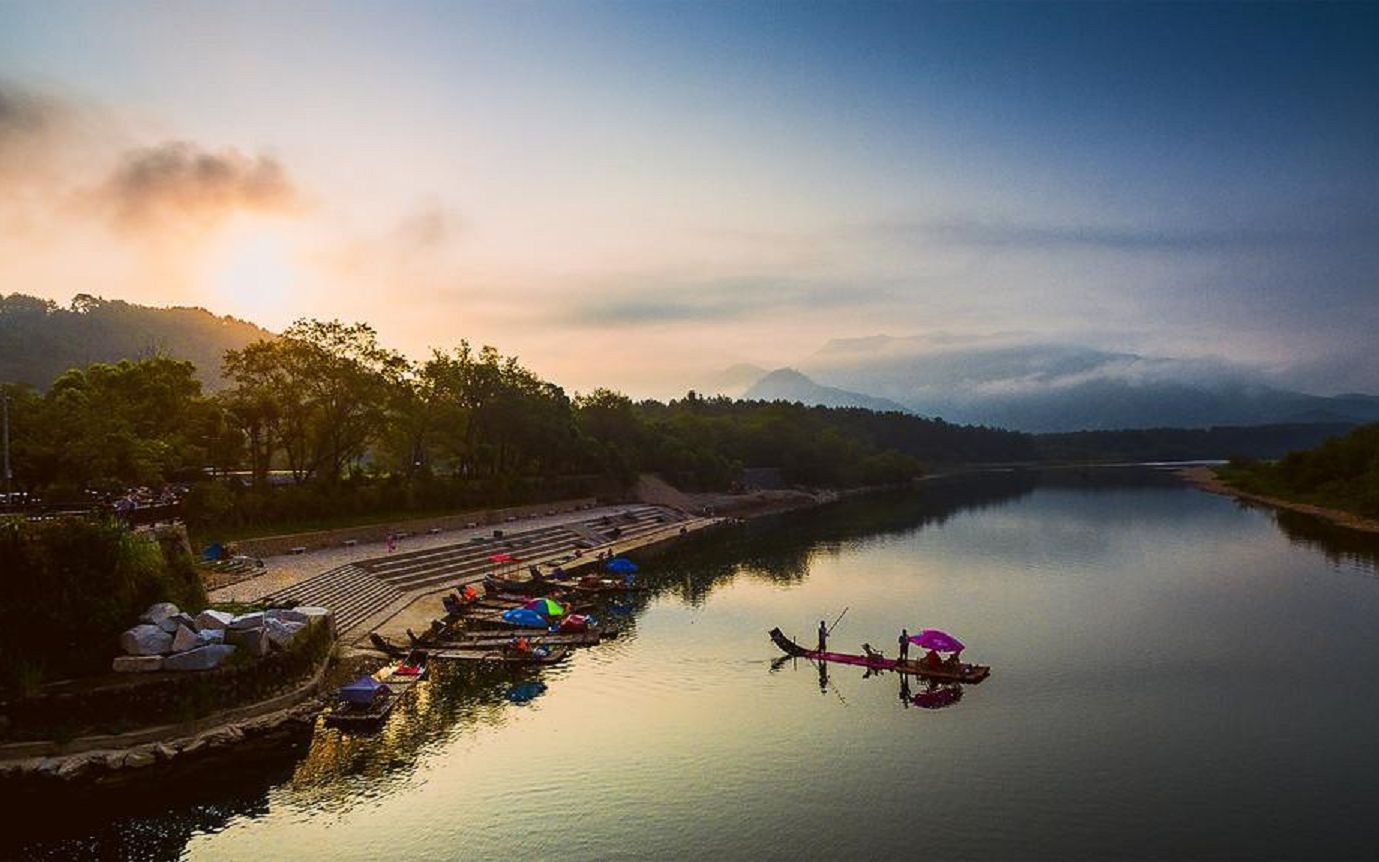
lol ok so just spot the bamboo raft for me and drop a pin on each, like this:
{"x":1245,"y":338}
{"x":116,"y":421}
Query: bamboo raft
{"x":397,"y":684}
{"x":957,"y":672}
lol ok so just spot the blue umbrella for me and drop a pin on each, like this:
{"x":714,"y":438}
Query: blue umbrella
{"x":362,"y":691}
{"x":526,"y":618}
{"x":621,"y":566}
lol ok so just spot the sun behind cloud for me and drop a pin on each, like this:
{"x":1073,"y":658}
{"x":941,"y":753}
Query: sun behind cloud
{"x":255,"y":267}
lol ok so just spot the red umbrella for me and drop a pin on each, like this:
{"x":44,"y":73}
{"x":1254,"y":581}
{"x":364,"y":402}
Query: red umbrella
{"x":502,"y":558}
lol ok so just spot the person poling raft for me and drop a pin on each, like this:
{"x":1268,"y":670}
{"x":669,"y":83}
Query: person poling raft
{"x":932,"y":665}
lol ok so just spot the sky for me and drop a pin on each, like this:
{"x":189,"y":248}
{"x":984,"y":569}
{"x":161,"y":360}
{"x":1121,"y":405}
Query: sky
{"x":639,"y":195}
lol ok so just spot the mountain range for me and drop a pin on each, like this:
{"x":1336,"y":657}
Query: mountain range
{"x":1041,"y":387}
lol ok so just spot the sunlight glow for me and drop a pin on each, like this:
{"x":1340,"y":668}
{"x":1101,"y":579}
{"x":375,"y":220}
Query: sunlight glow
{"x":255,"y":269}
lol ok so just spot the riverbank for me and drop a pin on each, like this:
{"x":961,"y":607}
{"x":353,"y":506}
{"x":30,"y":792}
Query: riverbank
{"x":1206,"y":479}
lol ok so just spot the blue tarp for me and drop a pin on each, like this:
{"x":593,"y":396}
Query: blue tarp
{"x":525,"y":617}
{"x":213,"y":552}
{"x":621,"y":566}
{"x":362,"y":691}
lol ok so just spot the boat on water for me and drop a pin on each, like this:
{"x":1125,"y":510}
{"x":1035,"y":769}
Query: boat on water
{"x":366,"y":702}
{"x":537,"y":655}
{"x":952,"y":671}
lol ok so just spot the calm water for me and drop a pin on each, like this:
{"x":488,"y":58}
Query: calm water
{"x":1173,"y":675}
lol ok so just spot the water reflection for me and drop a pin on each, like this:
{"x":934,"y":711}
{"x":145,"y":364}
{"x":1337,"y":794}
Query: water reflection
{"x":327,"y":771}
{"x":1344,"y":548}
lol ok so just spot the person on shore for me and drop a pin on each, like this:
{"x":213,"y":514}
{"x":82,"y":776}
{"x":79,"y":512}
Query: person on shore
{"x":392,"y":542}
{"x":904,"y":645}
{"x":823,"y":636}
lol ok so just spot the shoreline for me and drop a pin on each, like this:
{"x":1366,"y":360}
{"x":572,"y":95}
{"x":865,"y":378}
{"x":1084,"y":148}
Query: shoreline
{"x":1206,"y":479}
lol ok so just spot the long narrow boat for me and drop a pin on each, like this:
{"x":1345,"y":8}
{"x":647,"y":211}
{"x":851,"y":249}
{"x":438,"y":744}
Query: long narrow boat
{"x":504,"y":656}
{"x":960,"y":672}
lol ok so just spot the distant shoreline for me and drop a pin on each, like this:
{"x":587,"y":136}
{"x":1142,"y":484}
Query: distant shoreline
{"x":1206,"y":479}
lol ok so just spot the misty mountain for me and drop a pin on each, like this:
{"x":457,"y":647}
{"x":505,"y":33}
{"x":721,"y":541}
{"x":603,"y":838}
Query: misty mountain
{"x":1048,"y":387}
{"x":787,"y":384}
{"x":734,"y":380}
{"x":39,"y":339}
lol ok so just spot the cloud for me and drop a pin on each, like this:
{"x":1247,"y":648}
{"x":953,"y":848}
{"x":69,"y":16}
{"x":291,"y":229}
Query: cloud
{"x":977,"y":233}
{"x":178,"y":183}
{"x":662,"y":300}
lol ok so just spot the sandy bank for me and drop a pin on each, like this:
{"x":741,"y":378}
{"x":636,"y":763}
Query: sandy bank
{"x":1206,"y":479}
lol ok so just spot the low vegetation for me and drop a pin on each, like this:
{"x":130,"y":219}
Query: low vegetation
{"x":1341,"y":473}
{"x":71,"y":585}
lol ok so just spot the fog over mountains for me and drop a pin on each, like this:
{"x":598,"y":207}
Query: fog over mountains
{"x":1032,"y":386}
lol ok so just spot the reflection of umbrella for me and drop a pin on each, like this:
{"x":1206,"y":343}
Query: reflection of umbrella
{"x":525,"y":617}
{"x":545,"y":607}
{"x":936,"y":640}
{"x":621,"y":566}
{"x":526,"y":692}
{"x":938,"y":698}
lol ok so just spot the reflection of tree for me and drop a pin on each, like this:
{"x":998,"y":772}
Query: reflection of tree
{"x":780,"y":547}
{"x":1339,"y":544}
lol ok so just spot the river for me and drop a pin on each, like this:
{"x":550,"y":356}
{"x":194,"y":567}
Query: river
{"x":1173,"y":675}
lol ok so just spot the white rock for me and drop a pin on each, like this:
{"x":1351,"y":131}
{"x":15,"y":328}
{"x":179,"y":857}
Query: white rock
{"x":181,"y":618}
{"x":185,"y":639}
{"x":248,"y":621}
{"x":137,"y":663}
{"x":201,"y":658}
{"x":211,"y":636}
{"x":314,"y":615}
{"x":214,"y":620}
{"x":282,"y":634}
{"x":145,"y":640}
{"x":159,"y":612}
{"x":254,"y":641}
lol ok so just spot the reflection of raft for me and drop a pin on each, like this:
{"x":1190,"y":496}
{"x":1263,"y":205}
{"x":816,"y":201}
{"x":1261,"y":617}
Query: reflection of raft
{"x":960,"y":672}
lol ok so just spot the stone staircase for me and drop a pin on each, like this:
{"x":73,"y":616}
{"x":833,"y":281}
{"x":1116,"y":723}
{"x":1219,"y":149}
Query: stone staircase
{"x":349,"y":592}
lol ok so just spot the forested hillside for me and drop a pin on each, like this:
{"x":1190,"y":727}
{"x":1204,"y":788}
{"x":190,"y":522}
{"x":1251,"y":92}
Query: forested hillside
{"x":39,"y":339}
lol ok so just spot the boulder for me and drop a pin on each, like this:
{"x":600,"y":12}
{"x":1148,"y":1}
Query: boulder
{"x":145,"y":639}
{"x":254,"y":641}
{"x":211,"y":636}
{"x":214,"y":620}
{"x":181,"y":618}
{"x":248,"y":621}
{"x":282,"y":634}
{"x":185,"y":639}
{"x":314,"y":615}
{"x":139,"y":758}
{"x":137,"y":663}
{"x":159,"y":612}
{"x":201,"y":658}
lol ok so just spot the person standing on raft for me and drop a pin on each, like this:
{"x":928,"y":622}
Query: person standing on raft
{"x":823,"y":636}
{"x":904,"y":645}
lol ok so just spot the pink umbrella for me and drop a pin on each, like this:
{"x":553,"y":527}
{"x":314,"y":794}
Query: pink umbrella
{"x":939,"y":641}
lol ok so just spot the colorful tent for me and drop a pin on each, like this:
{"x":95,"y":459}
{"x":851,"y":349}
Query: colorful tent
{"x":362,"y":691}
{"x":937,"y":640}
{"x":621,"y":566}
{"x":546,"y":607}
